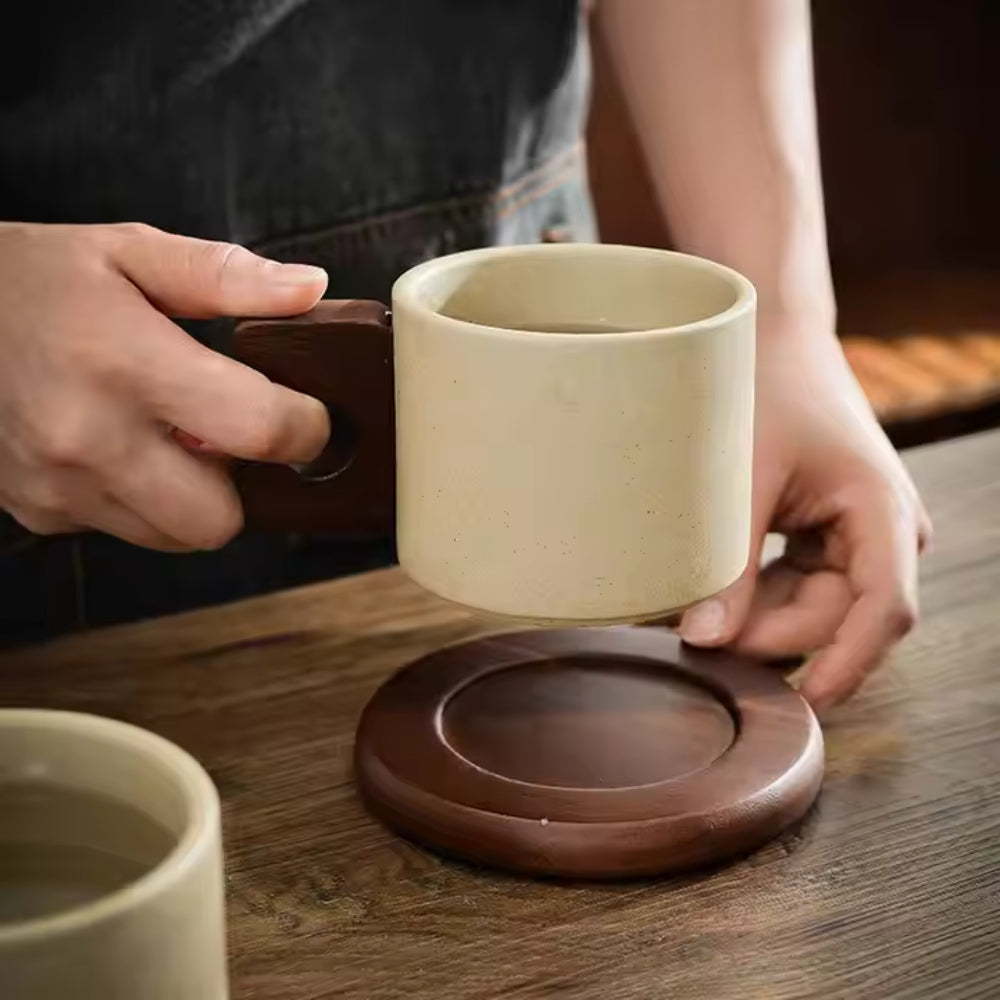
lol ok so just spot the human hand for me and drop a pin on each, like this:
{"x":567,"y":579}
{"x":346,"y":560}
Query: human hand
{"x":826,"y":477}
{"x":98,"y":387}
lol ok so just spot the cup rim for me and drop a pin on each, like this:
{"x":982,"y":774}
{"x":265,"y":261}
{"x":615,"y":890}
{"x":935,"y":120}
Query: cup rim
{"x":196,"y":787}
{"x":407,"y":289}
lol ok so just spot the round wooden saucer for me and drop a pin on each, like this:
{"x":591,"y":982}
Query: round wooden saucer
{"x":594,"y":753}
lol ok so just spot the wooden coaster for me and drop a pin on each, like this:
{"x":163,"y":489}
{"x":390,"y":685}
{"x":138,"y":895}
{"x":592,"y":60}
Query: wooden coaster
{"x":591,"y":753}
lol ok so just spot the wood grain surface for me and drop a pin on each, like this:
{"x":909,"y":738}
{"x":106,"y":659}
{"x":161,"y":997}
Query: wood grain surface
{"x":339,"y":352}
{"x":602,"y":753}
{"x":889,"y":889}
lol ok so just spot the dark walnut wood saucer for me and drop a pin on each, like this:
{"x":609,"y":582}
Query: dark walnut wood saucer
{"x":588,"y":753}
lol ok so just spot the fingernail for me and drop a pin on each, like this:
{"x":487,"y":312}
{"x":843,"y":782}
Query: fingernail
{"x":298,"y":274}
{"x":704,"y":623}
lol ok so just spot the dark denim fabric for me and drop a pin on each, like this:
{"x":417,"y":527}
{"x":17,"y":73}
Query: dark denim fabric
{"x":361,"y":135}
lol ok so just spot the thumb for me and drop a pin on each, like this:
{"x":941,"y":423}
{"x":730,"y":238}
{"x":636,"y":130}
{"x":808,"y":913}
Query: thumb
{"x":200,"y":279}
{"x":719,"y":619}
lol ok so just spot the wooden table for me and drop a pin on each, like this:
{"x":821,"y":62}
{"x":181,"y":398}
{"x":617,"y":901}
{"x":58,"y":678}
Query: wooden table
{"x":891,"y":889}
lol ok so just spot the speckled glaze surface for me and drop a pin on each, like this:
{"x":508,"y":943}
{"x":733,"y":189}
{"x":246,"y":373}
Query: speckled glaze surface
{"x":573,"y":477}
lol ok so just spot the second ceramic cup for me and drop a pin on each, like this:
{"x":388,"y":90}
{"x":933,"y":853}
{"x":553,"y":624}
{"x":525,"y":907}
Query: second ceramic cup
{"x":574,"y":430}
{"x":81,"y":797}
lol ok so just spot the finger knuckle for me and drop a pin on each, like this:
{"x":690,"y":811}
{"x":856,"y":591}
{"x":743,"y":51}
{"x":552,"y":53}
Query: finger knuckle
{"x":62,"y":441}
{"x":215,"y":258}
{"x":903,"y":617}
{"x":95,"y":361}
{"x":265,"y":432}
{"x":926,"y":528}
{"x":126,"y":232}
{"x":107,"y":241}
{"x":45,"y":500}
{"x":34,"y":521}
{"x":207,"y":264}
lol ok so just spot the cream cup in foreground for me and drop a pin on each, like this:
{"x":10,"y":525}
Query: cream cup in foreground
{"x":574,"y":430}
{"x":111,"y":874}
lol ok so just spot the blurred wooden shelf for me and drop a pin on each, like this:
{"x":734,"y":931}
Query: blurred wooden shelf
{"x":926,"y":375}
{"x":925,"y":347}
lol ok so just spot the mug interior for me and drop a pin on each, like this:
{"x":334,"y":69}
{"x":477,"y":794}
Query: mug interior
{"x":70,"y":778}
{"x":578,"y":288}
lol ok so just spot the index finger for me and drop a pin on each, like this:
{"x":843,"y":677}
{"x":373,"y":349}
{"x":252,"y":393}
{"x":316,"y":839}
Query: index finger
{"x":224,"y":404}
{"x":882,"y":571}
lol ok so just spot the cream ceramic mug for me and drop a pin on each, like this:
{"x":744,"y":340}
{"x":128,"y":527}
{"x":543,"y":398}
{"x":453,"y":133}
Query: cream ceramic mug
{"x":111,"y":875}
{"x":573,"y":426}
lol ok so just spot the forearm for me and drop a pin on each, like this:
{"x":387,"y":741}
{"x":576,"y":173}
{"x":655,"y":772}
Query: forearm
{"x":722,"y":96}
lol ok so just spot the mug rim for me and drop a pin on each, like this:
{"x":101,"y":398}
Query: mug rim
{"x":201,"y":800}
{"x":407,"y":288}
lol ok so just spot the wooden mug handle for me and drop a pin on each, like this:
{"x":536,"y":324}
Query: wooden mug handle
{"x":341,"y":353}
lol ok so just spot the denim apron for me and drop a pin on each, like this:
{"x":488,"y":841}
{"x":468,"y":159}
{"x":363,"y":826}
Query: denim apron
{"x":361,"y":135}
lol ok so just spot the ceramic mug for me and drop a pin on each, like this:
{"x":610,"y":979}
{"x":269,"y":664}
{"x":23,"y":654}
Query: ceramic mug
{"x":573,"y":426}
{"x":86,"y":805}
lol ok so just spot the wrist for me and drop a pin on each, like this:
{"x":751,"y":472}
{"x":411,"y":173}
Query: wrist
{"x":790,"y":270}
{"x":803,"y":342}
{"x":812,"y":323}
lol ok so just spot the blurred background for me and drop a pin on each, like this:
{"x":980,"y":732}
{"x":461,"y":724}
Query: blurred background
{"x":909,"y":114}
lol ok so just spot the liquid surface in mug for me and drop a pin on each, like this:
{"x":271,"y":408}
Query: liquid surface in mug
{"x":61,"y":848}
{"x":601,"y":326}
